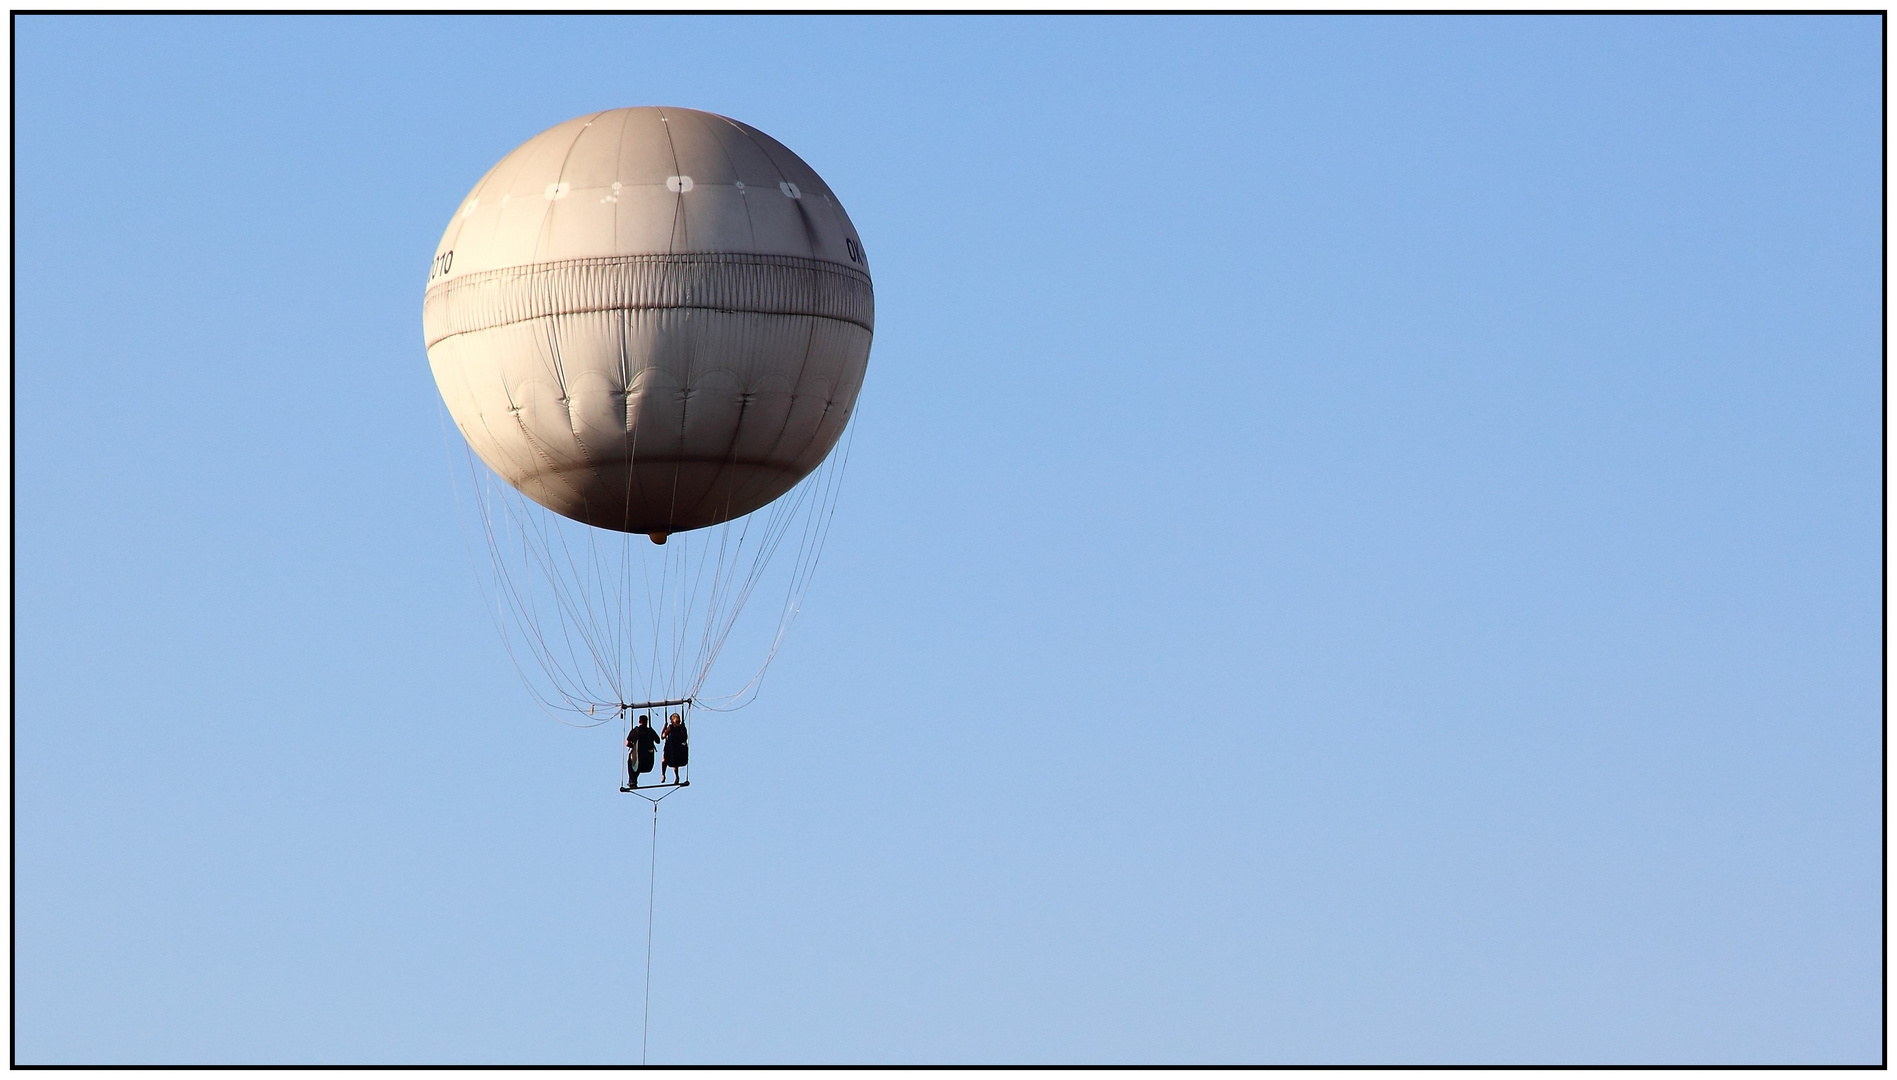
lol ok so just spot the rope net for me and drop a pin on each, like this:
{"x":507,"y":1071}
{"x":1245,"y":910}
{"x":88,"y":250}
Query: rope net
{"x":595,"y":620}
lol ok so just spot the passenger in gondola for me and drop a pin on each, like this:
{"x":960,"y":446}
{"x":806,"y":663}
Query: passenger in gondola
{"x":641,"y":741}
{"x":677,"y":751}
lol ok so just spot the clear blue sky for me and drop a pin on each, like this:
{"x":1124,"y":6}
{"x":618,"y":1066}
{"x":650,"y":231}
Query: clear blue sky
{"x":1362,"y":547}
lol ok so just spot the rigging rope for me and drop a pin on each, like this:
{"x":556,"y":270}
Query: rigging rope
{"x":695,"y":588}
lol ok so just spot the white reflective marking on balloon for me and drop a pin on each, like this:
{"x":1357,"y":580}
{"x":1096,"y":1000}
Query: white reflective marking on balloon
{"x":789,"y":189}
{"x":558,"y":191}
{"x":740,"y":187}
{"x":469,"y":209}
{"x":678,"y":184}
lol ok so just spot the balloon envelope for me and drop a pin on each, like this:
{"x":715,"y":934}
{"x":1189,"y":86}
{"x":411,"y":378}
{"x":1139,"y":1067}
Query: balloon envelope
{"x":650,"y":319}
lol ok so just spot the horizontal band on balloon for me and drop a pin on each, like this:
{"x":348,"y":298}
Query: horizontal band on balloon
{"x":762,"y":284}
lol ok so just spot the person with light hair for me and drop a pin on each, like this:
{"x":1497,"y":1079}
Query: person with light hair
{"x":677,"y":751}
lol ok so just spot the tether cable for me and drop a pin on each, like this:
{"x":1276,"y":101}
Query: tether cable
{"x":652,"y":885}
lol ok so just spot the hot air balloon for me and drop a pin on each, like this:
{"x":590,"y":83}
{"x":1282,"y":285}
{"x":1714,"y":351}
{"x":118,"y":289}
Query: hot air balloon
{"x":650,"y":326}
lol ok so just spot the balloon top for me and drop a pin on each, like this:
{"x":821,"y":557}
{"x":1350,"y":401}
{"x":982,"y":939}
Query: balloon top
{"x":646,"y":181}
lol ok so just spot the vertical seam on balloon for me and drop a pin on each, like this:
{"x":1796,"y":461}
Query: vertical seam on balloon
{"x":678,"y":197}
{"x":625,"y":416}
{"x":546,"y":219}
{"x":553,"y":467}
{"x":782,"y":176}
{"x":750,"y":223}
{"x":743,"y":200}
{"x":685,"y":384}
{"x":566,"y":397}
{"x":619,"y":151}
{"x":513,"y":410}
{"x":553,"y":287}
{"x":684,"y":423}
{"x":493,"y":436}
{"x":827,"y":401}
{"x":838,"y":219}
{"x":731,"y":448}
{"x":632,"y":429}
{"x":810,"y":333}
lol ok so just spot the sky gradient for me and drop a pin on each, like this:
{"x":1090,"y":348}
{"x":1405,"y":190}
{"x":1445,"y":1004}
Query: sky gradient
{"x":1362,"y":546}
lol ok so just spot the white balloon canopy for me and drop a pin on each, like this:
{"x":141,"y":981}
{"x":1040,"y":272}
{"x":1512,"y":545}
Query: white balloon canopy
{"x":652,"y":322}
{"x":650,"y":319}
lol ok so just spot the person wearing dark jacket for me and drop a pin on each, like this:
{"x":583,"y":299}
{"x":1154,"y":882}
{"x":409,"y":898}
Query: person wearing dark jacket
{"x":640,"y":742}
{"x":677,"y":751}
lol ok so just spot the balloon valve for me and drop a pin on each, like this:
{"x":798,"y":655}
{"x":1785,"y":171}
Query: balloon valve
{"x":658,"y":537}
